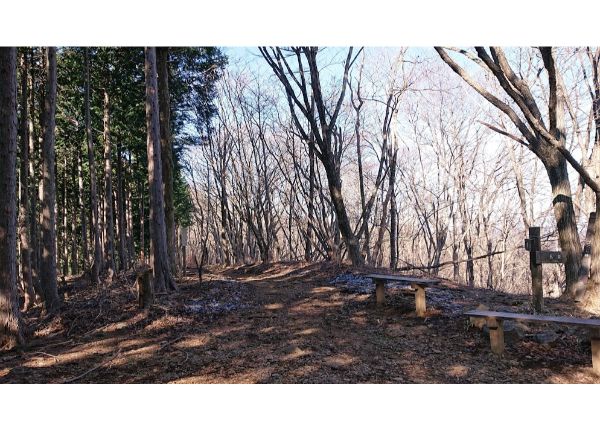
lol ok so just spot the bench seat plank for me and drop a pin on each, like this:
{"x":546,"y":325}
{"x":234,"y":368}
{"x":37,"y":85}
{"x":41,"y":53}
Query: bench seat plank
{"x":406,"y":279}
{"x":539,"y":318}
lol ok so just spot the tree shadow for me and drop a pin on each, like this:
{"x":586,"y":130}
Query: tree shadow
{"x":293,"y":328}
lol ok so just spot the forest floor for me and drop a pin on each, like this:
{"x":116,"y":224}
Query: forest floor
{"x":287,"y":323}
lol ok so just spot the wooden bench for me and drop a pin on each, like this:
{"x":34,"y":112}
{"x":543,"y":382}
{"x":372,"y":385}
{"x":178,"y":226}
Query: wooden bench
{"x":494,"y":322}
{"x":417,"y":284}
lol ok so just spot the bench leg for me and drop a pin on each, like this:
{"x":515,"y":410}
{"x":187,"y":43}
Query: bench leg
{"x":496,"y":335}
{"x":380,"y":292}
{"x":596,"y":355}
{"x":420,"y":302}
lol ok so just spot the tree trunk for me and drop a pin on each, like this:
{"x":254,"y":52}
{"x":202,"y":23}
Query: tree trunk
{"x":48,"y":262}
{"x":75,"y":211}
{"x":95,"y":228}
{"x":26,"y":277}
{"x":568,"y":235}
{"x":122,"y":219}
{"x":65,"y":215}
{"x":311,"y":205}
{"x":166,"y":150}
{"x":163,"y":279}
{"x":393,"y":215}
{"x":33,"y":175}
{"x":109,"y":230}
{"x":11,"y":333}
{"x":470,"y":270}
{"x":142,"y":226}
{"x":335,"y":190}
{"x":82,"y":214}
{"x":129,"y":211}
{"x":592,"y":292}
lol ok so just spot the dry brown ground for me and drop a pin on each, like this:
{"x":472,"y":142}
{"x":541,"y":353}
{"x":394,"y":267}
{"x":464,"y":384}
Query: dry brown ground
{"x":282,"y":323}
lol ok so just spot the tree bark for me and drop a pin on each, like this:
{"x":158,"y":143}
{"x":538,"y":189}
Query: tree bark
{"x":48,"y":262}
{"x":568,"y":236}
{"x":122,"y":219}
{"x":166,"y":150}
{"x":142,"y":226}
{"x":75,"y":212}
{"x":163,"y":279}
{"x":109,"y":230}
{"x":82,"y":214}
{"x":592,"y":292}
{"x":26,"y":276}
{"x":96,"y":267}
{"x":11,"y":332}
{"x":335,"y":190}
{"x":33,"y":175}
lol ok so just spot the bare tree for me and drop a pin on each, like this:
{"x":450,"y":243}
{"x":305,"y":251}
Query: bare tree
{"x":322,"y":123}
{"x":546,"y":141}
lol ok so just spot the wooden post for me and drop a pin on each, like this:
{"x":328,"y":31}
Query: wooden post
{"x":420,"y":303}
{"x":537,"y":290}
{"x":183,"y":238}
{"x":380,"y":291}
{"x":596,"y":354}
{"x":496,"y":335}
{"x":144,"y":286}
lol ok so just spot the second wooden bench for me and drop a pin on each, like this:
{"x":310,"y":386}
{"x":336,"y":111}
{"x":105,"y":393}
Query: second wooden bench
{"x":495,"y":319}
{"x":417,"y":284}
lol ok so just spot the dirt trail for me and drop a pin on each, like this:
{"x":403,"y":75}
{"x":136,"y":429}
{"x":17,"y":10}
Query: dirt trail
{"x":282,"y":323}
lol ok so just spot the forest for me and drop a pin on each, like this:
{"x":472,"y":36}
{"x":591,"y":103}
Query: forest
{"x":265,"y":214}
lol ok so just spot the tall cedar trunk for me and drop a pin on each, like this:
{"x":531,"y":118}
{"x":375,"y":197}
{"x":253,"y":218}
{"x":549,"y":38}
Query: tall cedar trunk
{"x":129,"y":210}
{"x":11,"y":333}
{"x":65,"y":215}
{"x":163,"y":279}
{"x":33,"y":175}
{"x":109,"y":230}
{"x":166,"y":150}
{"x":48,"y":261}
{"x":82,"y":214}
{"x":26,"y":276}
{"x":73,"y":241}
{"x":95,"y":227}
{"x":123,"y":257}
{"x":142,"y":226}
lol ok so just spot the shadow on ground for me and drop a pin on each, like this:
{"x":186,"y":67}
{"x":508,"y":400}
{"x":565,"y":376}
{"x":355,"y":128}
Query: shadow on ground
{"x":281,"y":323}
